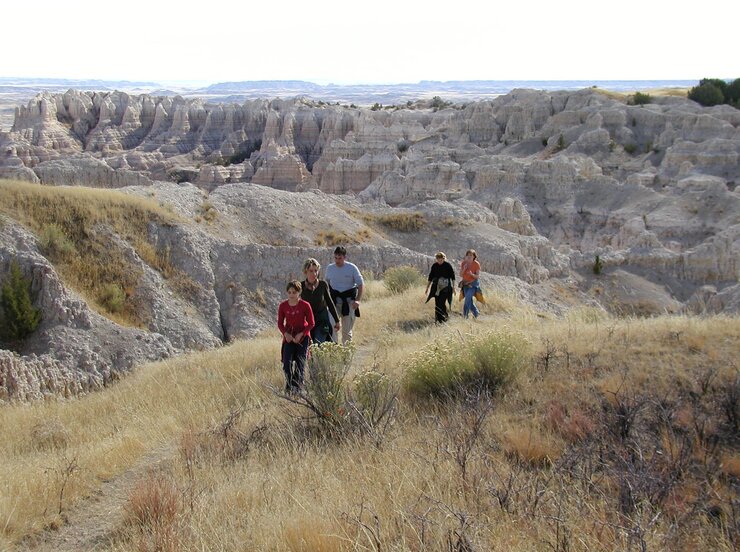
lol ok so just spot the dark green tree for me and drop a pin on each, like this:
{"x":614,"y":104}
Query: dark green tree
{"x":598,"y":265}
{"x":707,"y":94}
{"x":733,"y":93}
{"x":719,"y":83}
{"x":19,"y":317}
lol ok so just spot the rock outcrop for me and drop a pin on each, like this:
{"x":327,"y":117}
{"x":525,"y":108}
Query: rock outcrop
{"x":538,"y":182}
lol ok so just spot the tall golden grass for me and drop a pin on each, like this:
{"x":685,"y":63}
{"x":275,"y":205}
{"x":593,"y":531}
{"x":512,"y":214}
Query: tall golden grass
{"x":248,"y":472}
{"x":77,"y":224}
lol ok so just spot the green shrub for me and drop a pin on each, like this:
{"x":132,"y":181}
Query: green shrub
{"x":112,"y":298}
{"x":641,"y":99}
{"x":732,"y":94}
{"x":488,"y":362}
{"x":561,"y":143}
{"x":55,"y":244}
{"x":598,"y":265}
{"x":324,"y":394}
{"x":707,"y":94}
{"x":435,"y":371}
{"x":439,"y":103}
{"x":630,"y":148}
{"x":367,"y":407}
{"x":719,"y":83}
{"x":375,"y":396}
{"x":497,"y":359}
{"x":400,"y":278}
{"x":19,"y":317}
{"x":403,"y":146}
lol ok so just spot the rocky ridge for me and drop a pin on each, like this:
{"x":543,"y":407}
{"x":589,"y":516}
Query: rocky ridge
{"x":538,"y":182}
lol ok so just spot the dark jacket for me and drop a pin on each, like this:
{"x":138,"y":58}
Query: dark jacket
{"x":438,"y":271}
{"x":320,"y":299}
{"x":345,"y":297}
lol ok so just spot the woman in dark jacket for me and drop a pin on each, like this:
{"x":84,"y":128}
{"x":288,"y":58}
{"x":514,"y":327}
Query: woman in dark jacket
{"x":316,"y":292}
{"x":442,"y":283}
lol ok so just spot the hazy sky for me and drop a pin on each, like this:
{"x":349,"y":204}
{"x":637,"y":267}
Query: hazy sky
{"x":369,"y":42}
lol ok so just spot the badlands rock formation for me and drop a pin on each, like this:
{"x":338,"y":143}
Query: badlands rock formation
{"x":539,"y":183}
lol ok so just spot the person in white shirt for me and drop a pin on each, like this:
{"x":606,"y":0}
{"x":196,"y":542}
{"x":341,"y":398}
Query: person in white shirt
{"x":347,"y":285}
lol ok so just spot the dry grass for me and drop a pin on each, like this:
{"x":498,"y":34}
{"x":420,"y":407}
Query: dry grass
{"x":542,"y":467}
{"x":400,"y":222}
{"x":623,"y":96}
{"x":85,"y":220}
{"x":331,"y":238}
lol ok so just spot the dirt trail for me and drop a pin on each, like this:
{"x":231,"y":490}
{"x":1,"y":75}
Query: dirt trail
{"x":92,"y":522}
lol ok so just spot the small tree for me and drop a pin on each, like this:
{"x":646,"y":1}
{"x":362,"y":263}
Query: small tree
{"x":707,"y":94}
{"x":732,"y":94}
{"x":719,"y":83}
{"x":598,"y":265}
{"x":20,"y":318}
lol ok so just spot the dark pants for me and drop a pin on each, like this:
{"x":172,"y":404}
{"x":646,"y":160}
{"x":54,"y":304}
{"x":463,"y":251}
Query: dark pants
{"x":322,"y":330}
{"x":294,"y":361}
{"x":440,"y":307}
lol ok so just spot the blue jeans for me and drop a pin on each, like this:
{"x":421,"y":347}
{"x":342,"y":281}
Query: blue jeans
{"x":469,"y":304}
{"x":322,"y":330}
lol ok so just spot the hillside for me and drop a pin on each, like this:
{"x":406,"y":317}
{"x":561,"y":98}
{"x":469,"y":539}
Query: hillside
{"x":540,"y":183}
{"x":612,"y":434}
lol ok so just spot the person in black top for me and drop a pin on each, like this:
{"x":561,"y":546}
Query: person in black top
{"x":316,"y":292}
{"x":442,"y":283}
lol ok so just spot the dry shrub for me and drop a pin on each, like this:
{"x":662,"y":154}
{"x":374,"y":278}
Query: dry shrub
{"x":730,"y":464}
{"x":573,"y":424}
{"x":695,"y":343}
{"x":208,"y":211}
{"x":314,"y":535}
{"x":402,"y":222}
{"x":112,"y":297}
{"x":531,"y":447}
{"x":190,"y":449}
{"x":49,"y":435}
{"x":225,"y":443}
{"x":55,"y":244}
{"x":400,"y":278}
{"x":331,"y":238}
{"x":159,"y":259}
{"x":259,"y":297}
{"x":154,"y":508}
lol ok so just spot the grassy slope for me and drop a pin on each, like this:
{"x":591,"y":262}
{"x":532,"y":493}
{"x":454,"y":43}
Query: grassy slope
{"x":286,"y":489}
{"x":72,"y":224}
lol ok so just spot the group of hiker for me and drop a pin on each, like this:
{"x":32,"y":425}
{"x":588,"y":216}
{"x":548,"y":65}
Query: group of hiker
{"x":320,"y":310}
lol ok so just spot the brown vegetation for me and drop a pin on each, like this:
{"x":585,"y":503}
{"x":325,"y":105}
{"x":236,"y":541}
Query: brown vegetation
{"x":617,"y":434}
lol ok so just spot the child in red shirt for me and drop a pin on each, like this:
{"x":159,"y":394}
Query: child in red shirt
{"x":295,"y":321}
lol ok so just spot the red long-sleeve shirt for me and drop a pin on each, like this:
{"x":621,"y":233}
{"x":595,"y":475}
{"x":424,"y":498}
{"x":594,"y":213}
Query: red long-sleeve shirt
{"x":295,"y":319}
